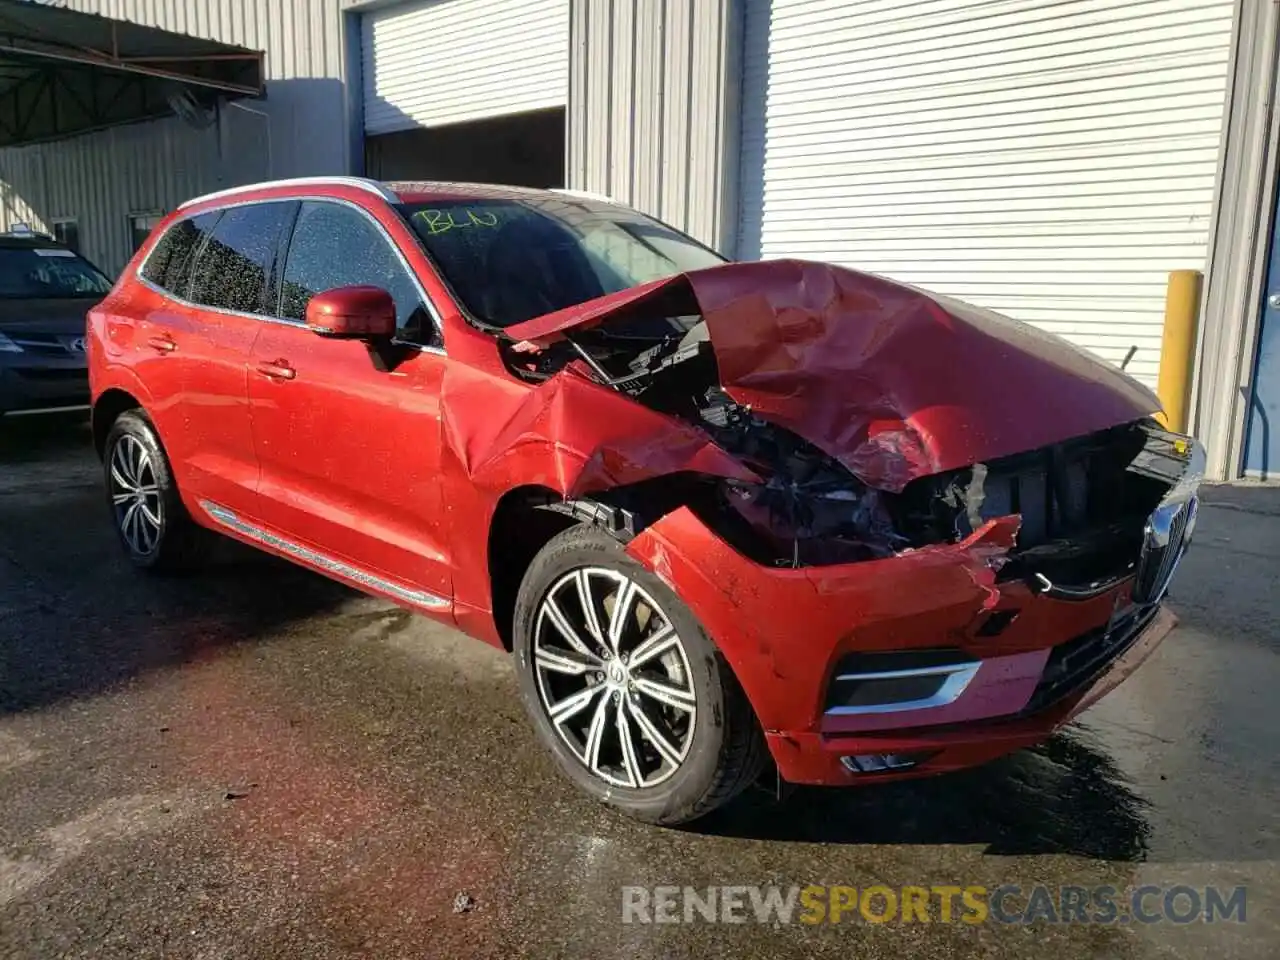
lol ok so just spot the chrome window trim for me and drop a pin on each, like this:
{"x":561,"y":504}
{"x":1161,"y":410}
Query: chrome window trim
{"x":229,"y":519}
{"x":360,"y":183}
{"x":958,"y":677}
{"x":436,"y":321}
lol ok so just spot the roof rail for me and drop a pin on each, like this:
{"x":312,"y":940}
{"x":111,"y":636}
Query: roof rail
{"x":360,"y":183}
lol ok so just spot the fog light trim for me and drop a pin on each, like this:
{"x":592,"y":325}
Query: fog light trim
{"x":883,"y":762}
{"x":955,"y":678}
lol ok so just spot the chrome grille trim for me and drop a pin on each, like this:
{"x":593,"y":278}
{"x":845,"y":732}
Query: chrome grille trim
{"x":1168,"y":532}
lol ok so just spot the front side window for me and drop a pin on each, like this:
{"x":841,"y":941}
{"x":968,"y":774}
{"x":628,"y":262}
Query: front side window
{"x":510,"y":260}
{"x":336,"y":246}
{"x":231,"y":269}
{"x":48,"y":273}
{"x":168,"y":265}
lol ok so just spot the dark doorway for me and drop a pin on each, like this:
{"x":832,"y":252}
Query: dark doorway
{"x":523,"y":149}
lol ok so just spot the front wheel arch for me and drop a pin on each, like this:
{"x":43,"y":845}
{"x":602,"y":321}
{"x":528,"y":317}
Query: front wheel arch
{"x":727,"y":752}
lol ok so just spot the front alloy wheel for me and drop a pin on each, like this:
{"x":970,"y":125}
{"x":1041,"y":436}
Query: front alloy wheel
{"x":635,"y":702}
{"x":614,"y":678}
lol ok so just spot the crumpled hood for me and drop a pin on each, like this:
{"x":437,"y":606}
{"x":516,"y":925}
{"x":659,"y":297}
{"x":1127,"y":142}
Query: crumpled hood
{"x":893,"y":382}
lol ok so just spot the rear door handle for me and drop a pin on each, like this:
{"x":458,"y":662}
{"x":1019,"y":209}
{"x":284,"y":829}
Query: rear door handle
{"x":163,"y":344}
{"x":277,"y":370}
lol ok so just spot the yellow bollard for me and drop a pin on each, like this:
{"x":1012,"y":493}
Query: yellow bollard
{"x":1178,"y":349}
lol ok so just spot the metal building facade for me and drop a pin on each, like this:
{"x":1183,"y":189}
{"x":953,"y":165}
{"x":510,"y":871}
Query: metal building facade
{"x":680,"y":108}
{"x":103,"y":179}
{"x":1051,"y":162}
{"x":428,"y":64}
{"x":653,"y":108}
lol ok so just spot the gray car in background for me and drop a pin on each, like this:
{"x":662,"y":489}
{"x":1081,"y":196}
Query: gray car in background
{"x":45,"y":291}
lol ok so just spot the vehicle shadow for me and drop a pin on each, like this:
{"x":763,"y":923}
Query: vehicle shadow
{"x":76,"y":619}
{"x":27,"y":439}
{"x":1063,"y":797}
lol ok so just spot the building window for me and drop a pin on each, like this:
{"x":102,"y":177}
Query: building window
{"x":67,"y":233}
{"x":140,"y":227}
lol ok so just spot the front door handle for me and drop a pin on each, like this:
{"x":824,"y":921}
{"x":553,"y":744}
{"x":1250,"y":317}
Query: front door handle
{"x":277,"y":370}
{"x":164,"y":344}
{"x":1273,"y":301}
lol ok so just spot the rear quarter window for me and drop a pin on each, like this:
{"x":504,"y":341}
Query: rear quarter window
{"x":168,"y":266}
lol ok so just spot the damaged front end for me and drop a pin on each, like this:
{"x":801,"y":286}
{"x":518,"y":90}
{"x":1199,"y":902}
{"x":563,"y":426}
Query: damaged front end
{"x":1090,"y":512}
{"x":1093,"y":511}
{"x":874,"y":420}
{"x":915,"y":529}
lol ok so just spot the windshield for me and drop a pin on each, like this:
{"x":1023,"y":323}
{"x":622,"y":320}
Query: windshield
{"x":53,"y":273}
{"x":511,"y":260}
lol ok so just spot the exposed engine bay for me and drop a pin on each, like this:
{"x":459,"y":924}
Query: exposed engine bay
{"x":1083,"y":503}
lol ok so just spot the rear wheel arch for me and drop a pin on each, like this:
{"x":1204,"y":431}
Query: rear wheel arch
{"x":106,"y":410}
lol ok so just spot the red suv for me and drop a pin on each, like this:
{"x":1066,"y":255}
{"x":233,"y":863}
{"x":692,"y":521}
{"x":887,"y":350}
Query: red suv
{"x":719,"y":512}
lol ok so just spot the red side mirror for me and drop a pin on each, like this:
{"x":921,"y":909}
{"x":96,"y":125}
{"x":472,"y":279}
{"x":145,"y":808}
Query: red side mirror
{"x":353,"y":313}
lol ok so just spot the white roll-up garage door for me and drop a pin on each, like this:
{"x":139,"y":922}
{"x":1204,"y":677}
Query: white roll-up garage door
{"x":448,"y":61}
{"x":1053,"y":161}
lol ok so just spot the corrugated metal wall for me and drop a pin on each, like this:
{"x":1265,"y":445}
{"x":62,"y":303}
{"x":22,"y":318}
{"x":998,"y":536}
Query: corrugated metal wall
{"x":430,"y":64}
{"x":652,"y":115}
{"x":299,"y":129}
{"x":1051,"y":161}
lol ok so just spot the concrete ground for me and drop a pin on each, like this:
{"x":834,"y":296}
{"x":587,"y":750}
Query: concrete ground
{"x":259,"y":763}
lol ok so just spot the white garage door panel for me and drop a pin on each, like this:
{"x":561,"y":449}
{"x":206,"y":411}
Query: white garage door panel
{"x":448,"y":61}
{"x":1053,"y":161}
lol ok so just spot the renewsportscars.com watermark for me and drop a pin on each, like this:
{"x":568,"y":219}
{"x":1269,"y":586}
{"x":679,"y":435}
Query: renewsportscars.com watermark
{"x":814,"y":904}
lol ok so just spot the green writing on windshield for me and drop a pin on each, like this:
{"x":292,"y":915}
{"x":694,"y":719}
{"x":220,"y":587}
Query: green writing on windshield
{"x":442,"y":221}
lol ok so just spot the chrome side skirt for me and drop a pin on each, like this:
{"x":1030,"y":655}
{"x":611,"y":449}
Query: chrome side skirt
{"x":228,"y":519}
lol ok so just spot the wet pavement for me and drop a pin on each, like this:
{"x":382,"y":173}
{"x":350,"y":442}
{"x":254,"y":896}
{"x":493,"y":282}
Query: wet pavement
{"x":259,"y":763}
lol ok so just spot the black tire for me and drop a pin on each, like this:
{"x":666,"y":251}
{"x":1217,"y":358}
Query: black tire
{"x":725,"y":751}
{"x":180,"y":544}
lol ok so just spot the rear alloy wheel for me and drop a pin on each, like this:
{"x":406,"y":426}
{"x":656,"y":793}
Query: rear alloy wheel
{"x":625,"y":687}
{"x":135,"y":495}
{"x":154,"y":527}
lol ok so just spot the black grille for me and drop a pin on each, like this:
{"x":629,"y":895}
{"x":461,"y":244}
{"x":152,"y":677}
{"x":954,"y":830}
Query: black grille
{"x":1073,"y":664}
{"x":57,"y":374}
{"x":1157,"y":563}
{"x":40,"y":343}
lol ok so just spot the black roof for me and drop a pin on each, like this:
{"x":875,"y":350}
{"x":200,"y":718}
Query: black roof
{"x":28,"y":241}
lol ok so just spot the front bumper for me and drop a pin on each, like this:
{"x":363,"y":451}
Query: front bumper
{"x":49,"y":384}
{"x":785,"y":631}
{"x":819,"y":758}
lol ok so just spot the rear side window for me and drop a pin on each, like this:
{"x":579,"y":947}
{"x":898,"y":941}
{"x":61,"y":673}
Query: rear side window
{"x":169,"y":264}
{"x":231,"y":269}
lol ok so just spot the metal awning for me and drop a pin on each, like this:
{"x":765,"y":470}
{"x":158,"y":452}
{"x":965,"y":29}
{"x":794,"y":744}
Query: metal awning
{"x":64,"y":72}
